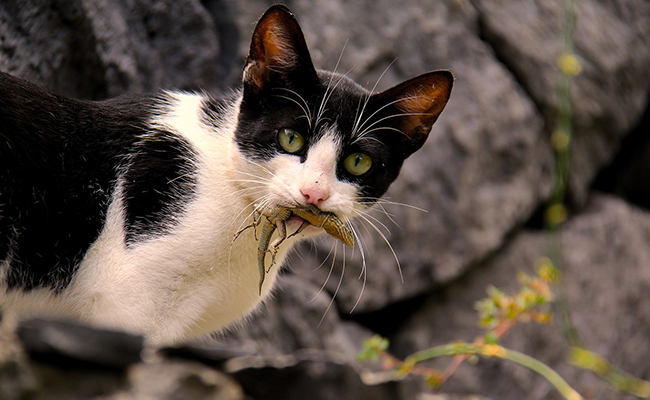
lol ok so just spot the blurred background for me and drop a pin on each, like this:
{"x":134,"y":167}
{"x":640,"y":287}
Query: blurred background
{"x":483,"y":177}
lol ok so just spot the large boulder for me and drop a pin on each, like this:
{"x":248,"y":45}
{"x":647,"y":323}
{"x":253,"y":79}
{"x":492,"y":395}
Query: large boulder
{"x":612,"y":38}
{"x":48,"y":360}
{"x":100,"y":48}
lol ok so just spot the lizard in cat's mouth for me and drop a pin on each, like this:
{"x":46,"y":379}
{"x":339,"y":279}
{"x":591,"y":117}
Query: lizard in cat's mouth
{"x":277,"y":217}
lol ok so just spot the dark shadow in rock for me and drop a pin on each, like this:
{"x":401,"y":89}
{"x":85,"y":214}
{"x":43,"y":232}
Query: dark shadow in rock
{"x":70,"y":345}
{"x":314,"y":380}
{"x":627,"y":175}
{"x":387,"y":321}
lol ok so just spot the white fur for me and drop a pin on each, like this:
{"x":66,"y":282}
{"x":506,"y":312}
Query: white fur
{"x":195,"y":280}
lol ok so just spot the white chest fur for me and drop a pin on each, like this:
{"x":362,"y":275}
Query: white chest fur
{"x":195,"y":280}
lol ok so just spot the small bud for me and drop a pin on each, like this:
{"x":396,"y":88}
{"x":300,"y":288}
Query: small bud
{"x":569,"y":64}
{"x":560,"y":140}
{"x":556,"y":214}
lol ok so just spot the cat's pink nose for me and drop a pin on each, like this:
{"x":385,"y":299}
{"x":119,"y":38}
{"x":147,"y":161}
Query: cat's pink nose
{"x":314,"y":195}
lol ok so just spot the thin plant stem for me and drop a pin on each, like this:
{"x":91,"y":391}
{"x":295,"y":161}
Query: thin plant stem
{"x":493,"y":350}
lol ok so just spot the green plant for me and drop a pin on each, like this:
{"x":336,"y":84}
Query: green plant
{"x":498,"y":314}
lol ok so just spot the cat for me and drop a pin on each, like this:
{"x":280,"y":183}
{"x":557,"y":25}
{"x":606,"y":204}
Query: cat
{"x":123,"y":213}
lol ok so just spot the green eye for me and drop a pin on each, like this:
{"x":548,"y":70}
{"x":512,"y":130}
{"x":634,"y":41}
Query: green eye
{"x":291,"y":141}
{"x":357,"y":163}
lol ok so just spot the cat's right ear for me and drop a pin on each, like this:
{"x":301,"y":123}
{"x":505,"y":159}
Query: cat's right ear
{"x":419,"y":102}
{"x":278,"y":55}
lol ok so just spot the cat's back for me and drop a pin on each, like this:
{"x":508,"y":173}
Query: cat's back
{"x":59,"y":158}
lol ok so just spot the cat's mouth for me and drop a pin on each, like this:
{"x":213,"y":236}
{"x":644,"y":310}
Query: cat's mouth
{"x":310,"y":218}
{"x":300,"y":220}
{"x":296,"y":225}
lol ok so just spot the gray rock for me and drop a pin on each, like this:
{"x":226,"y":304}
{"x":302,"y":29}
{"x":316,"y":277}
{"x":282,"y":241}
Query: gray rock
{"x":298,"y":317}
{"x":311,"y":378}
{"x":58,"y":360}
{"x":427,"y":396}
{"x":100,"y":48}
{"x":71,"y":344}
{"x":606,"y":257}
{"x":612,"y":38}
{"x":171,"y":380}
{"x":627,"y":175}
{"x":299,"y":348}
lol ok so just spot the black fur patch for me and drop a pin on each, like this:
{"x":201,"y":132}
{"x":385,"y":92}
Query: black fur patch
{"x":159,"y":181}
{"x":59,"y":160}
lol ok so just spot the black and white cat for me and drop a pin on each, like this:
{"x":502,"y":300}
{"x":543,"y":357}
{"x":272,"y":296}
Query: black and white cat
{"x":122,"y":213}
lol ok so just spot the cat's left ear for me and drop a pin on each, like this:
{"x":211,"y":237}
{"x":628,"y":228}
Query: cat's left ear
{"x":419,"y":101}
{"x":278,"y":55}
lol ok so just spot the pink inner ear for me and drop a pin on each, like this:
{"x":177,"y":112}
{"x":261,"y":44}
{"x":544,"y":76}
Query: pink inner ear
{"x":423,"y":102}
{"x":279,"y":54}
{"x":278,"y":48}
{"x":274,"y":52}
{"x":270,"y":52}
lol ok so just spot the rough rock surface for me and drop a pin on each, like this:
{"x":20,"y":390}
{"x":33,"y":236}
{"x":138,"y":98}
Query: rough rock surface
{"x":483,"y":176}
{"x":611,"y":38}
{"x":43,"y":360}
{"x":100,"y":48}
{"x":606,"y":257}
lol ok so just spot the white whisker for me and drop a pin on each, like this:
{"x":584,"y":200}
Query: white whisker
{"x":261,"y":181}
{"x":368,"y":130}
{"x":259,"y":203}
{"x":368,"y":215}
{"x":329,"y":254}
{"x":338,"y":286}
{"x":381,"y":234}
{"x":379,"y":200}
{"x":388,"y":215}
{"x":304,"y":106}
{"x":329,"y":90}
{"x":260,"y":166}
{"x":329,"y":273}
{"x":356,"y":134}
{"x":364,"y":267}
{"x":365,"y":103}
{"x":186,"y":175}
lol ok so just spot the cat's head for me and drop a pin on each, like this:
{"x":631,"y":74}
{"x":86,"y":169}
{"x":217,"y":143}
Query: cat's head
{"x":316,"y":137}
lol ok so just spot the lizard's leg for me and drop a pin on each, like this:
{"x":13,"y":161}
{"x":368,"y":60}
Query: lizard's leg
{"x":257,"y":218}
{"x":275,"y":245}
{"x":270,"y":223}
